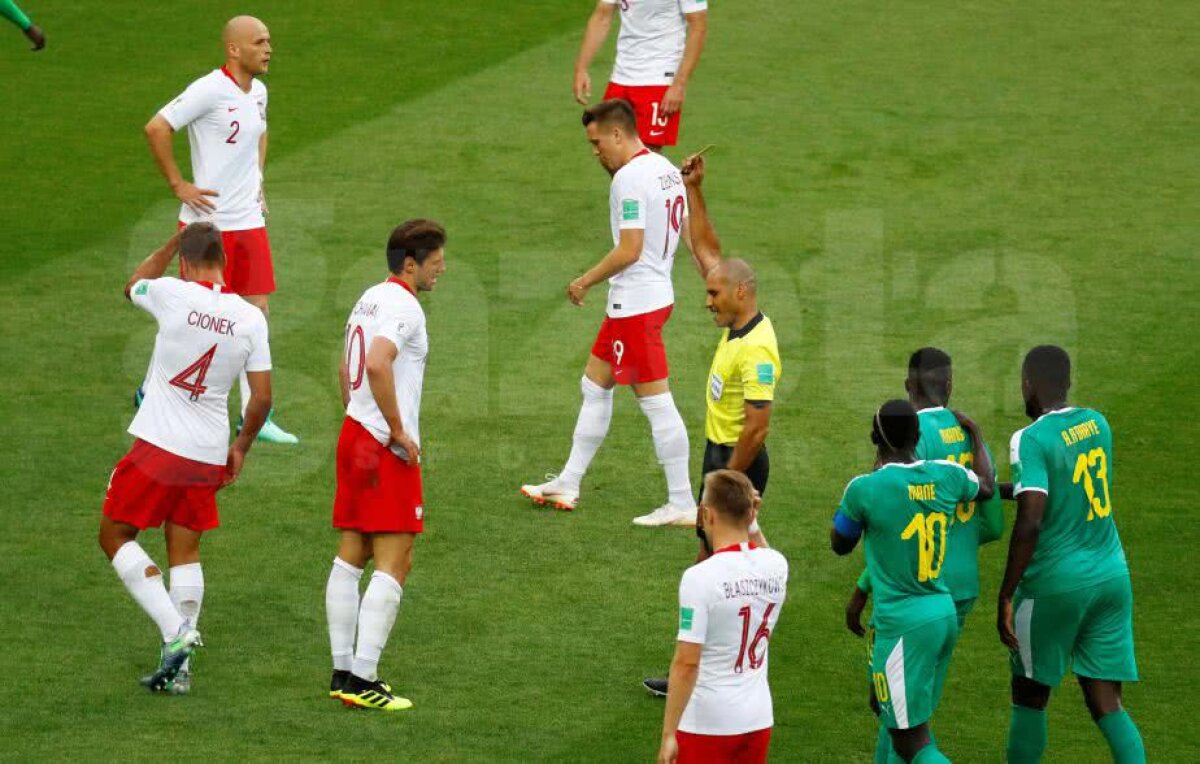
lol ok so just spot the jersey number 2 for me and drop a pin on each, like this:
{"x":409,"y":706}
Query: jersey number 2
{"x":199,"y":368}
{"x":237,"y":127}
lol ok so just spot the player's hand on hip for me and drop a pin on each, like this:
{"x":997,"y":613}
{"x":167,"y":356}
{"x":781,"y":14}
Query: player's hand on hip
{"x":412,"y":452}
{"x":1004,"y":624}
{"x":576,"y":291}
{"x":672,"y":100}
{"x":582,"y":88}
{"x":196,"y":198}
{"x":233,"y":465}
{"x":692,"y":170}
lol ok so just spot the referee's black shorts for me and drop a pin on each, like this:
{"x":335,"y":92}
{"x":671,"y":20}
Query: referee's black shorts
{"x":716,"y":457}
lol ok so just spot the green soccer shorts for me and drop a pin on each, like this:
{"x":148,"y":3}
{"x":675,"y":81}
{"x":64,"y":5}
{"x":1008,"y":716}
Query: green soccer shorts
{"x":1090,"y":629}
{"x":908,"y":671}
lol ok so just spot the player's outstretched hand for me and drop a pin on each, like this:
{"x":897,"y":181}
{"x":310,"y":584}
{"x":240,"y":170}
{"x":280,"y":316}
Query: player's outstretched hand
{"x":672,"y":100}
{"x":669,"y":751}
{"x":36,"y":36}
{"x":233,"y":465}
{"x":196,"y":198}
{"x":692,"y":170}
{"x":854,"y":611}
{"x":1004,"y":624}
{"x":576,"y":291}
{"x":412,"y":452}
{"x":582,"y":88}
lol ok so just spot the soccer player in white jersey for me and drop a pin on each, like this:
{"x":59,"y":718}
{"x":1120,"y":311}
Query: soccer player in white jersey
{"x":378,"y":507}
{"x":207,"y":336}
{"x":657,"y":51}
{"x":648,"y":215}
{"x":225,"y":113}
{"x":719,"y":703}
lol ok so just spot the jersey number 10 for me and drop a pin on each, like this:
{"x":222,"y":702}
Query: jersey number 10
{"x":674,"y":222}
{"x":930,"y":531}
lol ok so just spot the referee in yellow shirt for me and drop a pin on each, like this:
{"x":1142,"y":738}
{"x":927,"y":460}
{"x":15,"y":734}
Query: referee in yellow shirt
{"x":745,"y":368}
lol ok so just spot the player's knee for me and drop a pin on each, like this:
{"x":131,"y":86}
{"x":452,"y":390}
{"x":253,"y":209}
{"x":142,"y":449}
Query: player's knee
{"x":1030,"y":694}
{"x":1102,"y":698}
{"x":593,"y":389}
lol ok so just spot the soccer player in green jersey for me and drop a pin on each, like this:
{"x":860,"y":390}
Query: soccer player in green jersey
{"x":929,"y":384}
{"x":12,"y":12}
{"x":904,"y":508}
{"x":1066,"y":596}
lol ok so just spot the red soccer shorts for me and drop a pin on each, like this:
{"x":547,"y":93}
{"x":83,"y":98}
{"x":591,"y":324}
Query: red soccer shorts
{"x":376,"y":491}
{"x":248,"y":266}
{"x":633,"y":346}
{"x":748,"y":748}
{"x":150,"y":485}
{"x":655,"y":129}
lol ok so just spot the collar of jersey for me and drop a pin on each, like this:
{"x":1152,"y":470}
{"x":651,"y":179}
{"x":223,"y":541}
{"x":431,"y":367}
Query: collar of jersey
{"x":906,"y":465}
{"x":749,"y":327}
{"x":931,"y":408}
{"x":214,"y":287}
{"x":394,"y":280}
{"x":744,"y":546}
{"x":229,"y":74}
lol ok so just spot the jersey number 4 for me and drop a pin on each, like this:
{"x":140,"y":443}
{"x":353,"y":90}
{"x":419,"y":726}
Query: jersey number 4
{"x":192,"y":378}
{"x":750,"y":646}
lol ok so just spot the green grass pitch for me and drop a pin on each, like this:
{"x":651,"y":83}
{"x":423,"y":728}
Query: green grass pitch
{"x":980,"y":176}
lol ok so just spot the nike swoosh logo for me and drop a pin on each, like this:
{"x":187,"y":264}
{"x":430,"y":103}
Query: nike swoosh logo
{"x":233,"y":108}
{"x":656,"y":133}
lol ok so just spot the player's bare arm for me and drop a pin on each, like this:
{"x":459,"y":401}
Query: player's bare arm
{"x":380,"y":357}
{"x":158,"y":135}
{"x":344,"y":382}
{"x":698,"y":231}
{"x":256,"y":414}
{"x":594,"y":36}
{"x":685,"y":669}
{"x":854,"y":611}
{"x":839,"y":542}
{"x":752,"y":437}
{"x":697,"y":31}
{"x":625,"y":254}
{"x":154,"y":265}
{"x":1031,"y":507}
{"x":262,"y":169}
{"x":981,"y":462}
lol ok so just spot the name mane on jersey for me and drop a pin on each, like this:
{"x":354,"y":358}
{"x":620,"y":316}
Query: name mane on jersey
{"x":952,"y":435}
{"x":922,"y":492}
{"x":210,"y":322}
{"x":1076,"y":433}
{"x":366,"y":309}
{"x":752,"y":587}
{"x":670,"y":180}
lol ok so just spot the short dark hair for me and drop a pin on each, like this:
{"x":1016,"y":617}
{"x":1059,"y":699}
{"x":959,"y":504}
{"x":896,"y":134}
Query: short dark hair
{"x":417,"y":238}
{"x":896,"y":425}
{"x":730,"y":493}
{"x":929,"y":369}
{"x":200,"y":244}
{"x":1048,"y":368}
{"x":614,"y":111}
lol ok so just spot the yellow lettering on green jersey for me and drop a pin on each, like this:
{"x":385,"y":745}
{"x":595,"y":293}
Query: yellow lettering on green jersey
{"x":952,"y":435}
{"x":1082,"y":431}
{"x":922,"y":492}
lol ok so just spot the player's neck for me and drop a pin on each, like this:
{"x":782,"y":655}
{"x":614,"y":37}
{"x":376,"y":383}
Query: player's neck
{"x":636,"y":147}
{"x":921,"y":402}
{"x":407,"y":279}
{"x":723,"y":536}
{"x":891,"y":456}
{"x":242,"y":77}
{"x":744,"y":316}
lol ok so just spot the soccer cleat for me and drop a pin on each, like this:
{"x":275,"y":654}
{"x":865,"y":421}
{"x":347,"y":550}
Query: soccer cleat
{"x":359,"y":693}
{"x":181,"y":684}
{"x":171,"y":659}
{"x":667,"y":514}
{"x":273,"y":433}
{"x":656,"y":687}
{"x":337,"y":683}
{"x":552,"y":492}
{"x":139,"y":395}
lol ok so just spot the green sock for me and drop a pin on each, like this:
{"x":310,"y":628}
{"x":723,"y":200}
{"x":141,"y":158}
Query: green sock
{"x":1026,"y":735}
{"x":930,"y":755}
{"x":10,"y":11}
{"x":1123,"y":738}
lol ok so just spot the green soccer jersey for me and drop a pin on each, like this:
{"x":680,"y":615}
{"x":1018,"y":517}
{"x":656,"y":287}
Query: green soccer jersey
{"x":973,"y":523}
{"x":1067,"y":455}
{"x":905,"y":510}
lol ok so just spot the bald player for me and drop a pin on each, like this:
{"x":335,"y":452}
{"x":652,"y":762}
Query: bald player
{"x":225,"y":113}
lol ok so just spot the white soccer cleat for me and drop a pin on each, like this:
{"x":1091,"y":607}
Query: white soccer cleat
{"x":552,"y":492}
{"x":667,"y":514}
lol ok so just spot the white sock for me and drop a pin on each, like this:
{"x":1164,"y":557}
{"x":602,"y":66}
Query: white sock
{"x":187,"y":594}
{"x":244,"y":387}
{"x":341,"y":611}
{"x":595,"y":413}
{"x":376,"y":615}
{"x":671,"y":445}
{"x":133,"y":565}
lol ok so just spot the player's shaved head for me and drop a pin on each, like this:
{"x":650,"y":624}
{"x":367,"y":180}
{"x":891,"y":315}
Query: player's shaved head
{"x":929,"y":376}
{"x":730,"y":494}
{"x":614,"y":112}
{"x":247,"y":46}
{"x":241,"y":29}
{"x":896,"y":426}
{"x":736,"y":271}
{"x":200,"y":245}
{"x":1045,"y":378}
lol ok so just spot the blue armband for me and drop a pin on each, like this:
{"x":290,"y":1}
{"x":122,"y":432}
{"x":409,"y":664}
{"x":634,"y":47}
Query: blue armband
{"x":846,"y":527}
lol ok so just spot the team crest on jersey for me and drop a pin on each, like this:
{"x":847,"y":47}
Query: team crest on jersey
{"x":716,"y":386}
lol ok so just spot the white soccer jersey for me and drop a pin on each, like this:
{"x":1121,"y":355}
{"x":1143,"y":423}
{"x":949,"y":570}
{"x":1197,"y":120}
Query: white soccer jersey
{"x":389,"y":310}
{"x":646,"y":193}
{"x":224,"y":126}
{"x":650,"y":44}
{"x":730,"y":603}
{"x":206,"y":336}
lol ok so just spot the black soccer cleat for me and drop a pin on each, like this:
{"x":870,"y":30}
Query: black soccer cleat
{"x":337,"y":683}
{"x":360,"y":693}
{"x":656,"y":687}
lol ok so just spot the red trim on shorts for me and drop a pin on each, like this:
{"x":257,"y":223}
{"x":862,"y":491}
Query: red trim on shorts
{"x":737,"y":547}
{"x":394,"y":280}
